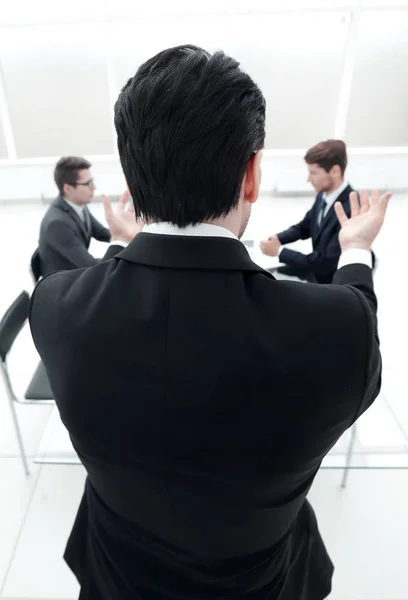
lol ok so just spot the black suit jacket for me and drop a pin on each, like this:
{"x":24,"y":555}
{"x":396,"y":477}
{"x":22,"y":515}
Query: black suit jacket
{"x":186,"y":376}
{"x":64,"y":239}
{"x":322,"y":262}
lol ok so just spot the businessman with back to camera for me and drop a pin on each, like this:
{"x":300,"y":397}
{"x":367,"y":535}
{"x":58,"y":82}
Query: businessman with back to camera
{"x":68,"y":226}
{"x":326,"y":162}
{"x":179,"y":366}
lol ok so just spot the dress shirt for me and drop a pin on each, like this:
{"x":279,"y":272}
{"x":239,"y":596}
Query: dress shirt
{"x":356,"y":256}
{"x":118,"y":243}
{"x":331,"y":198}
{"x":201,"y":230}
{"x":78,"y":209}
{"x":349,"y":257}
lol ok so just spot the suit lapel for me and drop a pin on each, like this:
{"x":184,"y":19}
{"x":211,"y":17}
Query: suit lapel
{"x":327,"y":220}
{"x":331,"y":217}
{"x":315,"y":215}
{"x":60,"y":202}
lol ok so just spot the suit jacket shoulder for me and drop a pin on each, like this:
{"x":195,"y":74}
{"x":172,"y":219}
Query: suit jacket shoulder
{"x":202,"y":396}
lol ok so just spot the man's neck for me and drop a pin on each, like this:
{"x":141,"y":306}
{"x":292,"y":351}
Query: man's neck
{"x":231,"y":222}
{"x":72,"y":202}
{"x":334,"y":188}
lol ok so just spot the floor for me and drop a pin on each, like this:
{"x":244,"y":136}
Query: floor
{"x":365,"y":526}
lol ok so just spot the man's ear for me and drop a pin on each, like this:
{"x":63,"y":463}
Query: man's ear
{"x":253,"y":177}
{"x":66,"y":188}
{"x":336,"y":171}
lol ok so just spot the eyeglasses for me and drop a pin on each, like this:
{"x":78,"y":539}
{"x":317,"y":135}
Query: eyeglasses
{"x":90,"y":183}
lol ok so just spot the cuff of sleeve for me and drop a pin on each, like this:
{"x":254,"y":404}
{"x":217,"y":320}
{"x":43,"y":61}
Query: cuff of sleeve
{"x":118,"y":243}
{"x":280,"y":250}
{"x":356,"y":256}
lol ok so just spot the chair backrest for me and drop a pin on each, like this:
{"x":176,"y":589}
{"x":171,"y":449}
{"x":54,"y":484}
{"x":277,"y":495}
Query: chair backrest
{"x":35,"y":266}
{"x":12,"y":323}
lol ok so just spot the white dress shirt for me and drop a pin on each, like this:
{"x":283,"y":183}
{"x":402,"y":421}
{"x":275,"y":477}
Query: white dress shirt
{"x":118,"y":243}
{"x":200,"y":230}
{"x":333,"y":196}
{"x":349,"y":257}
{"x":78,"y":209}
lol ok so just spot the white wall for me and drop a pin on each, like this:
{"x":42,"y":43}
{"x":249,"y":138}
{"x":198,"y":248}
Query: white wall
{"x":328,"y":68}
{"x":281,"y":174}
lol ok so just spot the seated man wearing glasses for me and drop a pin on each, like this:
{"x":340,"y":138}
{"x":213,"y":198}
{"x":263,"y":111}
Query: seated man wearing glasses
{"x":68,"y":226}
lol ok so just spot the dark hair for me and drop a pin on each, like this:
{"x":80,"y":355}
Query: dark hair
{"x":66,"y":170}
{"x":188,"y":123}
{"x":328,"y":154}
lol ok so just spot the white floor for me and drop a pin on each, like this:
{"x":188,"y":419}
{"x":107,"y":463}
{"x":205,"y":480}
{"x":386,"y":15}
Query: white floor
{"x":365,"y":526}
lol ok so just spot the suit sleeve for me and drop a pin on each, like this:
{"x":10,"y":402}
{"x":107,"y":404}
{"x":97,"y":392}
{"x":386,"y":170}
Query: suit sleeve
{"x":64,"y":241}
{"x":99,"y":232}
{"x":315,"y":262}
{"x":360,"y":280}
{"x":301,"y":231}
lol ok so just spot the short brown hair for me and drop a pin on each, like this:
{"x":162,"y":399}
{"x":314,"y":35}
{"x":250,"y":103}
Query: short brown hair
{"x":328,"y":154}
{"x":66,"y":170}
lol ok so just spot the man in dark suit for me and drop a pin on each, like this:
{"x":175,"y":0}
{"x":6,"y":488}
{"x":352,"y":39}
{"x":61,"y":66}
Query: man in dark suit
{"x":68,"y":226}
{"x":179,"y":366}
{"x":326,"y":163}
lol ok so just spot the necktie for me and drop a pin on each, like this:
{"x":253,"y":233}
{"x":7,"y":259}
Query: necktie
{"x":87,"y":220}
{"x":322,"y":208}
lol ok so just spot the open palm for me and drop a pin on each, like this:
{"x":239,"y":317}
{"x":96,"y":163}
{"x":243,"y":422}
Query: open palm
{"x":365,"y":222}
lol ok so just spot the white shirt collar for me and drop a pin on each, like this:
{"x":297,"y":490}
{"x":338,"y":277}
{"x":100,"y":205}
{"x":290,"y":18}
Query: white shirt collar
{"x":78,"y":209}
{"x":332,"y":197}
{"x":201,"y":230}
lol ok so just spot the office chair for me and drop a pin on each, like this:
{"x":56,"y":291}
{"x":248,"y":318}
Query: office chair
{"x":35,"y":266}
{"x":38,"y":391}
